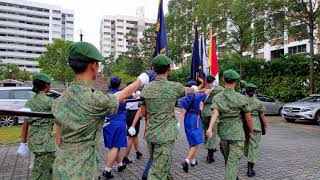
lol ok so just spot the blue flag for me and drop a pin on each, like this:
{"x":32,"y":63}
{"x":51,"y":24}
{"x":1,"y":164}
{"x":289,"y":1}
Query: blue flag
{"x":161,"y":41}
{"x":197,"y":66}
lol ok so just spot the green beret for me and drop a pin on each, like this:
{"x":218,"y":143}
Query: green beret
{"x":231,"y":74}
{"x":243,"y":82}
{"x":250,"y":85}
{"x":210,"y":78}
{"x":83,"y":51}
{"x":161,"y":60}
{"x":43,"y":77}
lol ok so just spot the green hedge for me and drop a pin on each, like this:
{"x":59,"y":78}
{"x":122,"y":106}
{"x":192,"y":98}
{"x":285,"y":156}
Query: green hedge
{"x":285,"y":78}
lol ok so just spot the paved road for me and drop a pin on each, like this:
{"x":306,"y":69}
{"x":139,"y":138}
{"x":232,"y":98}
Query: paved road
{"x":289,"y":152}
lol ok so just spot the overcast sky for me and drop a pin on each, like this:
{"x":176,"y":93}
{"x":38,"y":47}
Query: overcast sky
{"x":88,"y":13}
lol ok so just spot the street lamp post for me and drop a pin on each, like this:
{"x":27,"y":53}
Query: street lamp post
{"x":10,"y":72}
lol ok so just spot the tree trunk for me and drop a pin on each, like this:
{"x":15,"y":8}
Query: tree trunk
{"x":311,"y":41}
{"x":311,"y":63}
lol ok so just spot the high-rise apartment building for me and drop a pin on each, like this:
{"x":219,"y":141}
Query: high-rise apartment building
{"x":27,"y":27}
{"x":114,"y":29}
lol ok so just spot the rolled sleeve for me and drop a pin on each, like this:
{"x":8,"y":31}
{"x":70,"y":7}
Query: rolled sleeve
{"x":180,"y":89}
{"x":214,"y":105}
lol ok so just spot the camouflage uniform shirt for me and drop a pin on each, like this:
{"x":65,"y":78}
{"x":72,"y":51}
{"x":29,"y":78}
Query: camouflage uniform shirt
{"x":160,"y":97}
{"x":229,"y":103}
{"x":207,"y":112}
{"x":40,"y":136}
{"x":80,"y":113}
{"x":255,"y":107}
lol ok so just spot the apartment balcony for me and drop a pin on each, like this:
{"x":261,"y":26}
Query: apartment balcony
{"x":24,"y":33}
{"x":26,"y":11}
{"x":23,"y":18}
{"x":22,"y":47}
{"x":20,"y":54}
{"x":21,"y":62}
{"x":23,"y":25}
{"x":25,"y":40}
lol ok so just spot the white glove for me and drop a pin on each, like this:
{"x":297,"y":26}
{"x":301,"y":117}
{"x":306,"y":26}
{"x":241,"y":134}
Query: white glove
{"x":195,"y":88}
{"x":178,"y":125}
{"x":23,"y":150}
{"x":144,"y":78}
{"x":132,"y":131}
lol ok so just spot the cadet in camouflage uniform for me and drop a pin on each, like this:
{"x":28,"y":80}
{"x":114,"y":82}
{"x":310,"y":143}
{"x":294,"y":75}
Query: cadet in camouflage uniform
{"x":228,"y":106}
{"x":160,"y":97}
{"x":257,"y":112}
{"x":80,"y":113}
{"x":40,"y":136}
{"x":211,"y":143}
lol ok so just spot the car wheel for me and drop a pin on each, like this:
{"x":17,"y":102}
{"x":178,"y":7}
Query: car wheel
{"x":7,"y":121}
{"x":290,"y":120}
{"x":317,"y":118}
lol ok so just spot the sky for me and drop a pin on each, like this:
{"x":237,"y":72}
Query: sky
{"x":88,"y":13}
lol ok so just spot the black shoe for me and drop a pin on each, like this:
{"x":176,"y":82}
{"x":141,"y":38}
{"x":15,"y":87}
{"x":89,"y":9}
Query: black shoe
{"x":251,"y":171}
{"x":107,"y":175}
{"x":238,"y":178}
{"x":185,"y":166}
{"x":126,"y":160}
{"x":210,"y":157}
{"x":194,"y":164}
{"x":121,"y":168}
{"x":139,"y":155}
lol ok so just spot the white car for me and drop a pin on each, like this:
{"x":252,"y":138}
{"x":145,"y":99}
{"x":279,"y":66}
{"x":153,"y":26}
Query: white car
{"x":15,"y":98}
{"x":305,"y":109}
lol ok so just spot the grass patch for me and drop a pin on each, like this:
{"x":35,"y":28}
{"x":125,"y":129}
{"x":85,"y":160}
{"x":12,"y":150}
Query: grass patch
{"x":10,"y":134}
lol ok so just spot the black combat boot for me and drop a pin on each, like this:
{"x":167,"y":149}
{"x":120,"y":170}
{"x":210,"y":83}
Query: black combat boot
{"x":139,"y":155}
{"x":107,"y":175}
{"x":251,"y":171}
{"x":210,"y":157}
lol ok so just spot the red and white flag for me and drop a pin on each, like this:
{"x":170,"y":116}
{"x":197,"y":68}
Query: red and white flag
{"x":213,"y":59}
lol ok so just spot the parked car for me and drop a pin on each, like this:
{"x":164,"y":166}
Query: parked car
{"x":304,"y":109}
{"x":15,"y":98}
{"x":272,"y":106}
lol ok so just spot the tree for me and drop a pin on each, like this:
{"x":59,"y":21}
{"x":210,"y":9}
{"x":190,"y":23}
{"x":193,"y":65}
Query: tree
{"x":303,"y":17}
{"x":180,"y":19}
{"x":12,"y":71}
{"x":55,"y":61}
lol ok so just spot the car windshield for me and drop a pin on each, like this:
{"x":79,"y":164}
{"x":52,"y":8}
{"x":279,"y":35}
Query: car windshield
{"x":311,"y":99}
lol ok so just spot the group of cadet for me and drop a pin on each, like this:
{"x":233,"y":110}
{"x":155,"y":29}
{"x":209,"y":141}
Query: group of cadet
{"x":81,"y":110}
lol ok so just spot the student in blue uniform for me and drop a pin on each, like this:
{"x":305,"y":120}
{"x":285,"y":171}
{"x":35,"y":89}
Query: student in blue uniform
{"x":115,"y":133}
{"x":190,"y":111}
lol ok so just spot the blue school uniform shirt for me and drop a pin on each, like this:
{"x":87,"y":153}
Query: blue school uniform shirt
{"x":121,"y":114}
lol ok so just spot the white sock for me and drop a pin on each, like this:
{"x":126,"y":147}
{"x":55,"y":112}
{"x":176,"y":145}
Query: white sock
{"x":120,"y":164}
{"x":107,"y":169}
{"x":193,"y":161}
{"x":187,"y":160}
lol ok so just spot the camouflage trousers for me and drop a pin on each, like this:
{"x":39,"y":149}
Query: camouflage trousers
{"x":251,"y":147}
{"x":232,"y":151}
{"x":211,"y":143}
{"x":42,"y":165}
{"x":161,"y":155}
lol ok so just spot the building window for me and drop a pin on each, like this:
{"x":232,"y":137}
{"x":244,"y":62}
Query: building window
{"x":120,"y":20}
{"x":70,"y":22}
{"x":297,"y":49}
{"x":119,"y":33}
{"x":277,"y":53}
{"x":57,"y":19}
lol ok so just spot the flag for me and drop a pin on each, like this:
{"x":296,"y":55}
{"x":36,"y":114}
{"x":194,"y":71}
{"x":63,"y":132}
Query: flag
{"x":196,"y":66}
{"x":161,"y":40}
{"x":204,"y":57}
{"x":213,"y":59}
